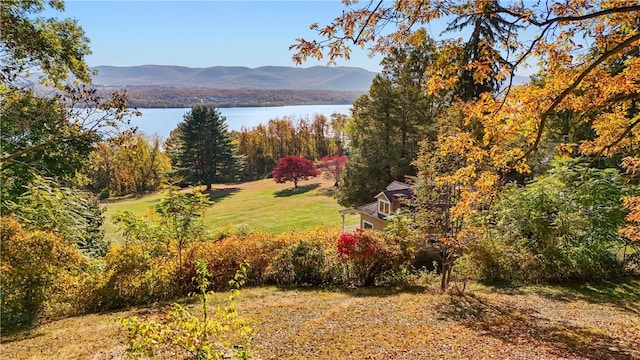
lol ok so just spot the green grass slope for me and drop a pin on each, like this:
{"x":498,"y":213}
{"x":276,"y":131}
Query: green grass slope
{"x":257,"y":205}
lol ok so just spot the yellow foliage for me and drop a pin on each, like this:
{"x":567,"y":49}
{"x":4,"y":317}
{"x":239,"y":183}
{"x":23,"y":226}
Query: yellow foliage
{"x":589,"y":67}
{"x":33,"y":266}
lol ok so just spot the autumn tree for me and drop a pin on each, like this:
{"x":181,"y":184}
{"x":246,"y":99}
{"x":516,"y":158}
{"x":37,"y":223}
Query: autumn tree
{"x":332,"y":167}
{"x":127,"y":164}
{"x":577,"y":43}
{"x":294,"y":168}
{"x":206,"y":153}
{"x":27,"y":41}
{"x":282,"y":137}
{"x":181,"y":215}
{"x":311,"y":138}
{"x":432,"y":224}
{"x":319,"y":144}
{"x":338,"y":123}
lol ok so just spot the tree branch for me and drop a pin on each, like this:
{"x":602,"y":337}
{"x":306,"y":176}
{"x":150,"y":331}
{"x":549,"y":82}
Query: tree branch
{"x":9,"y":158}
{"x":617,"y":140}
{"x":366,"y":23}
{"x":544,"y":116}
{"x":574,"y":18}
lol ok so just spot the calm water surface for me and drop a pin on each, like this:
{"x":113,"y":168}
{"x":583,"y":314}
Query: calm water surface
{"x":162,"y":121}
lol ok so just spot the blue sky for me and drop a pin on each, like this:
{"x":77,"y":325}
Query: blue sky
{"x":209,"y":32}
{"x":203,"y":33}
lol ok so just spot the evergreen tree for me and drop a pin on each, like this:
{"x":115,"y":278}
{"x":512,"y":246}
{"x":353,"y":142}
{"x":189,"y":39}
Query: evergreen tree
{"x":205,"y":152}
{"x":389,"y":123}
{"x":480,"y":53}
{"x":371,"y":132}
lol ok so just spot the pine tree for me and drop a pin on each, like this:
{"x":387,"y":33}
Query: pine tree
{"x":389,"y":123}
{"x":489,"y":29}
{"x":205,"y":152}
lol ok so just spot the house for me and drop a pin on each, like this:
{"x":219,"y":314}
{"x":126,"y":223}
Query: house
{"x":374,"y":215}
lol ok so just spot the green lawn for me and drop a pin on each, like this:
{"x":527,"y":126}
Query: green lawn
{"x":259,"y":205}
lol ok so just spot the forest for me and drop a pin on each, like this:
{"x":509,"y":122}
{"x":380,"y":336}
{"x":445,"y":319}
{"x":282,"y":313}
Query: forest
{"x":513,"y":186}
{"x":174,"y":97}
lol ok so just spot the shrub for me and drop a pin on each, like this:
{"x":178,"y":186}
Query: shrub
{"x":303,"y":263}
{"x":499,"y":260}
{"x":134,"y":277}
{"x":33,"y":265}
{"x":211,"y":336}
{"x":461,"y":274}
{"x":368,"y":255}
{"x":225,"y":256}
{"x":267,"y":254}
{"x":562,"y":226}
{"x":82,"y":291}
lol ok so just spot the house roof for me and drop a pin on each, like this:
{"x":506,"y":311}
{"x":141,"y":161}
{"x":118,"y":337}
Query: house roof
{"x":370,"y":209}
{"x":397,"y":194}
{"x":396,"y":191}
{"x":398,"y":185}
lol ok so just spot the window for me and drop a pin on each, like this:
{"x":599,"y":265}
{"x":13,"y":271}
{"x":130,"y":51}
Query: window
{"x":366,"y":225}
{"x":384,"y":207}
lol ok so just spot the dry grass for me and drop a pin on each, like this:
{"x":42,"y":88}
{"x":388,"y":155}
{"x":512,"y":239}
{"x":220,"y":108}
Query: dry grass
{"x":389,"y":323}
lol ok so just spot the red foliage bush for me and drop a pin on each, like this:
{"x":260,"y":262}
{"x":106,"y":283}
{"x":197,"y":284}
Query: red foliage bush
{"x":369,"y":255}
{"x":347,"y":244}
{"x":359,"y":246}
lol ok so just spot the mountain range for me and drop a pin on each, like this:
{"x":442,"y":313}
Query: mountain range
{"x":236,"y":77}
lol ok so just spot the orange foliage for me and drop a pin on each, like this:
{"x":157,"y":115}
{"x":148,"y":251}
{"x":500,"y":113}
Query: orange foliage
{"x":259,"y":249}
{"x":631,"y":230}
{"x":589,"y":66}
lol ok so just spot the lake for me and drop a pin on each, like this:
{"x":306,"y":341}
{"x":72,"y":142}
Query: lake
{"x":162,"y":121}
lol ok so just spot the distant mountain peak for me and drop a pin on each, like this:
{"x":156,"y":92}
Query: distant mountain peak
{"x":237,"y":77}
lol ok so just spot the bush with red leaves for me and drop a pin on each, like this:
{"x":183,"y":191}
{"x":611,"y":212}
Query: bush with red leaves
{"x":367,"y":254}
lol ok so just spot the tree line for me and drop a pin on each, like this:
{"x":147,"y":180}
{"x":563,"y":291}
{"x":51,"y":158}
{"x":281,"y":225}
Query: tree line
{"x":263,"y":145}
{"x":170,"y":97}
{"x":201,"y":150}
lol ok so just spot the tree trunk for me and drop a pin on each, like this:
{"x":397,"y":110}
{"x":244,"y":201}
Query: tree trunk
{"x":447,"y":265}
{"x":208,"y":187}
{"x":180,"y":272}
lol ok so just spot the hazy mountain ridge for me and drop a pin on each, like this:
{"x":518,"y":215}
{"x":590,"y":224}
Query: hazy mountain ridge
{"x":237,"y":77}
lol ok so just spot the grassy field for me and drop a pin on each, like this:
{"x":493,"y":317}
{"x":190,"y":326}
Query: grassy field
{"x":259,"y":205}
{"x":580,"y":322}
